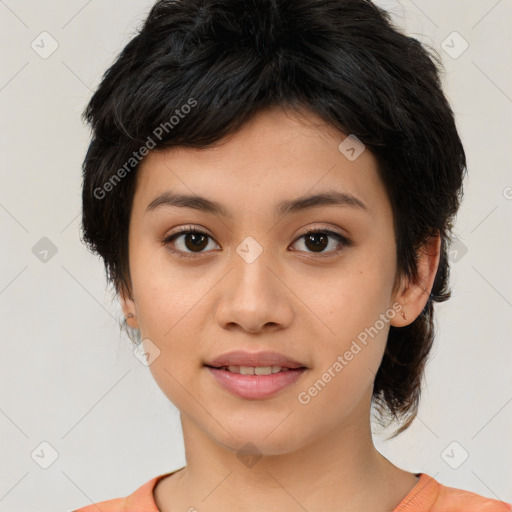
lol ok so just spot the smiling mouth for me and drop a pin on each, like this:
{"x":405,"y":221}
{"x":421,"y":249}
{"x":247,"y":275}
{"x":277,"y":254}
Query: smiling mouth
{"x":255,"y":382}
{"x":255,"y":370}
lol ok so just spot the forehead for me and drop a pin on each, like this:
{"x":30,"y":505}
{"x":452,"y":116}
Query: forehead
{"x":276,"y":155}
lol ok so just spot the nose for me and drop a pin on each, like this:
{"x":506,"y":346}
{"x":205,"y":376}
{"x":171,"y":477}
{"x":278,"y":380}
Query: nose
{"x":253,"y":297}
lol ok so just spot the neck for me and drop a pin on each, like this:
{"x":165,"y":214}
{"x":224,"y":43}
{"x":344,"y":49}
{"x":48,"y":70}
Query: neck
{"x":338,"y":470}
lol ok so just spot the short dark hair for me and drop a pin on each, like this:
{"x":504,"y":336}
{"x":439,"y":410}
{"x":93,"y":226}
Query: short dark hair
{"x":342,"y":60}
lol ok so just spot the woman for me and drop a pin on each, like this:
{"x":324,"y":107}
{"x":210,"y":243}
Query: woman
{"x":272,"y":187}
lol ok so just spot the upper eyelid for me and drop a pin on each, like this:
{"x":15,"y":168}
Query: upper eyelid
{"x":321,"y":228}
{"x":204,"y":231}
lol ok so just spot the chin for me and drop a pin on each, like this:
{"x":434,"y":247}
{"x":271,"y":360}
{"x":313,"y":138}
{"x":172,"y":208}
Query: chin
{"x":251,"y":439}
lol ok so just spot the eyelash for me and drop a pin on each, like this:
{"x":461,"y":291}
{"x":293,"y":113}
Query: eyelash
{"x":344,"y":242}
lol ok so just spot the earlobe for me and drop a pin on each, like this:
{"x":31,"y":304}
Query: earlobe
{"x":129,"y":310}
{"x":412,"y":295}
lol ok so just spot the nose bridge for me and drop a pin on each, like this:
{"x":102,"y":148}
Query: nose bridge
{"x":253,"y":296}
{"x":252,"y":276}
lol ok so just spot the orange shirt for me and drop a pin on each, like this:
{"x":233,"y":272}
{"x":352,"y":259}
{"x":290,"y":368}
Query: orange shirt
{"x":428,"y":495}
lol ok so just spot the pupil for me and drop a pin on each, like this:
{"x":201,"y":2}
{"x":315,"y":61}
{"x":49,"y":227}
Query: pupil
{"x":194,"y":237}
{"x":318,"y":245}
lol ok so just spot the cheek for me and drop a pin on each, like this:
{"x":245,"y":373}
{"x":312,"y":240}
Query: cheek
{"x":351,"y":298}
{"x":353,"y":305}
{"x":165,"y":295}
{"x":349,"y":353}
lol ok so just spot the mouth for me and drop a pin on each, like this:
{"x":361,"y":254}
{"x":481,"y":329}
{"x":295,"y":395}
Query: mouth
{"x":255,"y":370}
{"x":255,"y":382}
{"x":254,"y":363}
{"x":254,"y":375}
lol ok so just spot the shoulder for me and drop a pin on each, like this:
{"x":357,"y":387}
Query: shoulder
{"x":428,"y":495}
{"x":115,"y":505}
{"x":141,"y":500}
{"x":458,"y":500}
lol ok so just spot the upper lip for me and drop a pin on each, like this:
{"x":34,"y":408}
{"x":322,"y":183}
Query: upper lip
{"x":244,"y":358}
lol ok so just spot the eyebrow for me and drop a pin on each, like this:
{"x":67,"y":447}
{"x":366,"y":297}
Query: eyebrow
{"x":327,"y":198}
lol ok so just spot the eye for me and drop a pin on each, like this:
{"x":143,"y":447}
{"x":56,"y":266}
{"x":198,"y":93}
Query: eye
{"x":318,"y":239}
{"x":193,"y":241}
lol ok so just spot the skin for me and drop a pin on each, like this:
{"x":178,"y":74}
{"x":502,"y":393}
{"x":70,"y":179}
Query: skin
{"x":319,"y":456}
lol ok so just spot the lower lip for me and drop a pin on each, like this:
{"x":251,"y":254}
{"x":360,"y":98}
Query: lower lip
{"x":255,"y":387}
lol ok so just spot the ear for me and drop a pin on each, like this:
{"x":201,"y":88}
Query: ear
{"x":129,"y":309}
{"x":412,"y":295}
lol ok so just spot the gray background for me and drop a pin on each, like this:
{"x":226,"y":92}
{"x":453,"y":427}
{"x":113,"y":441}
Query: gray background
{"x":70,"y":379}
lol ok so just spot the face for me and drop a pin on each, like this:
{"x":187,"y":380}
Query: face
{"x":253,"y":280}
